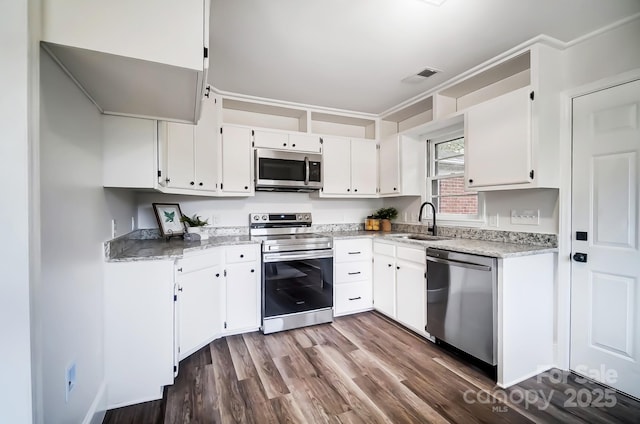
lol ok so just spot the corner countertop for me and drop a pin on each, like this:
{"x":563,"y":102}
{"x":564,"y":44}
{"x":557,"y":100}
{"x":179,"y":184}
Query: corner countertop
{"x":478,"y":247}
{"x":158,"y":249}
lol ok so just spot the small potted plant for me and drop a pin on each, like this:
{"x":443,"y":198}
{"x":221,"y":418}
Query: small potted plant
{"x":386,"y":215}
{"x":195,"y":224}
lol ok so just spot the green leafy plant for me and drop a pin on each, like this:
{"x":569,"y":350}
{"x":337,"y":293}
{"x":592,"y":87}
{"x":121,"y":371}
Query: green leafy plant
{"x":386,"y":213}
{"x":194,"y":221}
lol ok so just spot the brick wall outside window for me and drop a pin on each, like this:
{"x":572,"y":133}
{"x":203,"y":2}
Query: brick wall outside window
{"x":456,"y":205}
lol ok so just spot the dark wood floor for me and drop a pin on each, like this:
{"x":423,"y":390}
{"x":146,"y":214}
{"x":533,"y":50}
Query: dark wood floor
{"x":361,"y":369}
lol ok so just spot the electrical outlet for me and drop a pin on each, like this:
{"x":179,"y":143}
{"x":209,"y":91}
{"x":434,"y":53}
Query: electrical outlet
{"x":114,"y":228}
{"x":525,"y":217}
{"x":493,"y":220}
{"x":215,"y":220}
{"x":69,"y":380}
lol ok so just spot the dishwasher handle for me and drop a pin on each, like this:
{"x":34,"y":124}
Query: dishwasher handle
{"x":459,"y":263}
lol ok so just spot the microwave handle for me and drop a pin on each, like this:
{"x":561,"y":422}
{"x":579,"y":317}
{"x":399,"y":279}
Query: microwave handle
{"x":306,"y":170}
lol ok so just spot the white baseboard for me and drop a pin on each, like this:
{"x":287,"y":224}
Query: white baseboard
{"x":98,"y":408}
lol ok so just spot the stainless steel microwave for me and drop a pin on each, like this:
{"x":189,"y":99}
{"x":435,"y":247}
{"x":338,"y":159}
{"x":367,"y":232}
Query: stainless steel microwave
{"x":278,"y":170}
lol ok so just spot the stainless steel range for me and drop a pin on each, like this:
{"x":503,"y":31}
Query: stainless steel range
{"x":297,"y":271}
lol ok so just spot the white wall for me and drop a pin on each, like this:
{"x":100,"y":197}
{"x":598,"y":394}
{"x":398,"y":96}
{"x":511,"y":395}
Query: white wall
{"x":75,"y":219}
{"x":235,"y":212}
{"x":15,"y":213}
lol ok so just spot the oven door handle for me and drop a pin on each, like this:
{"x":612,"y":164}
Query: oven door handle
{"x":290,"y":256}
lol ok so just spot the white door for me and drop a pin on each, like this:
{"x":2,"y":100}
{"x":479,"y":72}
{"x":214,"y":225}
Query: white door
{"x":304,"y":142}
{"x":336,"y":166}
{"x":243,"y":292}
{"x":384,"y":284}
{"x":411,"y":294}
{"x":236,"y":160}
{"x":389,"y":163}
{"x":363,"y":166}
{"x":605,"y":292}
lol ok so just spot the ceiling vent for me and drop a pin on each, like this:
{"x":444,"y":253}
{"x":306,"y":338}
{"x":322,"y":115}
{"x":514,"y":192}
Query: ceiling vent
{"x":420,"y":76}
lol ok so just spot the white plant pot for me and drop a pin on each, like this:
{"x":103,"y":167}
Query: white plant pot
{"x":204,"y":234}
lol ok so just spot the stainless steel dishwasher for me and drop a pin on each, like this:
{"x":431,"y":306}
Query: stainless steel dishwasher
{"x":462,"y":302}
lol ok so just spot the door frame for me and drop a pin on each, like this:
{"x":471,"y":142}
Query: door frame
{"x":563,"y":274}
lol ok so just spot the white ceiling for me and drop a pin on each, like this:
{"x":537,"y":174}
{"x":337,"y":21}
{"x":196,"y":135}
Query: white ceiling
{"x":353,"y":54}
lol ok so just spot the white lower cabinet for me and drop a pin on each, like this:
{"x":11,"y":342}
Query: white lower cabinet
{"x":242,"y":270}
{"x":399,"y":284}
{"x":201,"y":286}
{"x":353,"y":291}
{"x":139,"y":330}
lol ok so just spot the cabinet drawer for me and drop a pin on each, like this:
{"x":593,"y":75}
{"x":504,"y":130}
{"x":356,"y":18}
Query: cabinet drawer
{"x":352,"y":250}
{"x":244,"y":253}
{"x":353,"y":271}
{"x":412,"y":254}
{"x":201,"y":260}
{"x":353,"y":297}
{"x":384,"y":249}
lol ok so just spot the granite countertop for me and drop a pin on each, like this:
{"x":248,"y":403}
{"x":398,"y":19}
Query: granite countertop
{"x":145,"y":250}
{"x":158,"y":249}
{"x":478,"y":247}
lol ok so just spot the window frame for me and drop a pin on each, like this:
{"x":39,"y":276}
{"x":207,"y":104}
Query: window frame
{"x":475,"y":220}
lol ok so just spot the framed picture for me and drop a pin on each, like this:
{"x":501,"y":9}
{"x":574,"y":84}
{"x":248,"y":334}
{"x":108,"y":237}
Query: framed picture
{"x":168,"y":216}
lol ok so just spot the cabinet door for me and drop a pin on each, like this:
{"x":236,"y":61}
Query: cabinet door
{"x":389,"y":166}
{"x":271,"y":140}
{"x":180,"y":154}
{"x":200,"y":319}
{"x":206,"y":147}
{"x":304,"y":143}
{"x":364,"y":176}
{"x":384,"y":284}
{"x":411,"y":294}
{"x":243,"y":294}
{"x":498,"y":141}
{"x":236,"y":160}
{"x":336,"y":166}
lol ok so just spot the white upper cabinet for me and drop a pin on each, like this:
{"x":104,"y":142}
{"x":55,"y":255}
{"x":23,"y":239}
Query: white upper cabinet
{"x":189,"y":153}
{"x":237,"y":170}
{"x":349,"y":167}
{"x":287,"y":141}
{"x":402,"y":166}
{"x":144,"y":58}
{"x":498,"y":141}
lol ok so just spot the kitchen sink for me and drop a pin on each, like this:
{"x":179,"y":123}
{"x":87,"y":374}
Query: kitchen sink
{"x":421,"y":237}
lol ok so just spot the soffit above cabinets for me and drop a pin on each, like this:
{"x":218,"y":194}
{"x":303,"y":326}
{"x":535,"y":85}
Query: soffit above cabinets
{"x":353,"y":55}
{"x":127,"y":86}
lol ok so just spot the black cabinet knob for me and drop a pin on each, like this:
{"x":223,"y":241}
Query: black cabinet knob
{"x":470,"y":181}
{"x":348,"y":189}
{"x":388,"y":264}
{"x":246,"y":187}
{"x":200,"y":184}
{"x":180,"y":289}
{"x":179,"y":269}
{"x":192,"y":183}
{"x":284,"y":144}
{"x":394,"y":189}
{"x":253,"y":270}
{"x":293,"y":145}
{"x":217,"y":274}
{"x":355,"y":190}
{"x":397,"y":267}
{"x":242,"y":256}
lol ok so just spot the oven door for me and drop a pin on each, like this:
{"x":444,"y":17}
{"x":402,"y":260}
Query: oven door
{"x":287,"y":170}
{"x":294,"y":282}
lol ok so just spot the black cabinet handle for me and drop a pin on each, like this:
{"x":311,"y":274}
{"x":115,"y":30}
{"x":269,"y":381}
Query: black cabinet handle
{"x":180,"y":269}
{"x":241,"y":255}
{"x":246,"y":187}
{"x":217,"y":274}
{"x":355,"y":189}
{"x":180,"y":289}
{"x":394,"y":189}
{"x":397,"y":267}
{"x":389,"y":265}
{"x":348,"y":189}
{"x":355,"y":298}
{"x":354,"y":273}
{"x":354,"y":253}
{"x":284,"y":144}
{"x":167,"y":179}
{"x":253,"y":270}
{"x":192,"y":183}
{"x":293,"y":145}
{"x":200,"y":184}
{"x":470,"y":181}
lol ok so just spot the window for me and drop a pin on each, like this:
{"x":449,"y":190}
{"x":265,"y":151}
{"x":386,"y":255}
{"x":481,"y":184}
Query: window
{"x":445,"y":184}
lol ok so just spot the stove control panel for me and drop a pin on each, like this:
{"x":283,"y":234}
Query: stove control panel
{"x":283,"y":219}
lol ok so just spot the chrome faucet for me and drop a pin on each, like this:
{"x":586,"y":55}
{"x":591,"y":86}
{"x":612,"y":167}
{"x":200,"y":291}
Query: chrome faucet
{"x":433,"y":209}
